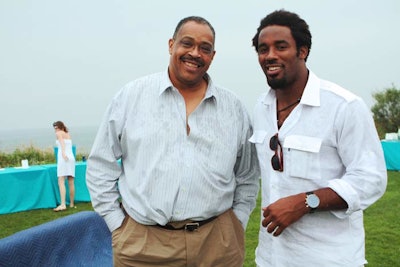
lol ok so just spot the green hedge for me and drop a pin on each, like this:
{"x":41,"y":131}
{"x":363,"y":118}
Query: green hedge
{"x":34,"y":155}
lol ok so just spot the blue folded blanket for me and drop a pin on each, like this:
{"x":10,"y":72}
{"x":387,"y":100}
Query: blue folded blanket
{"x":81,"y":239}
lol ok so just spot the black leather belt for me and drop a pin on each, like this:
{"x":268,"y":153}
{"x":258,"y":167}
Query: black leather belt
{"x":190,"y":226}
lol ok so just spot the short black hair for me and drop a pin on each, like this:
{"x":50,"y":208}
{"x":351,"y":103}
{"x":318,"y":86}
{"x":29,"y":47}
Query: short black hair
{"x":197,"y":19}
{"x":298,"y":27}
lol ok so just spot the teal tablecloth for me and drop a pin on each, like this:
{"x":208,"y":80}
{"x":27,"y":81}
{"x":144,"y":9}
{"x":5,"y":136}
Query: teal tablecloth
{"x":36,"y":187}
{"x":391,"y":150}
{"x":81,"y":191}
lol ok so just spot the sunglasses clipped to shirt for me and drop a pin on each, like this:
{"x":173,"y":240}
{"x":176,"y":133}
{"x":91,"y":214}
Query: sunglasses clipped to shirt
{"x":277,"y":158}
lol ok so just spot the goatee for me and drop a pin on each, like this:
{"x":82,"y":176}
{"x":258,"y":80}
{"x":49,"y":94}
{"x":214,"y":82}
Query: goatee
{"x":277,"y":83}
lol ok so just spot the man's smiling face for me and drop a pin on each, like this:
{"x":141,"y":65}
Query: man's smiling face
{"x":192,"y":51}
{"x":279,"y":57}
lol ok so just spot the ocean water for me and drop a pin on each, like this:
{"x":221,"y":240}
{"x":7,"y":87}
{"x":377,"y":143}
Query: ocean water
{"x":82,"y":138}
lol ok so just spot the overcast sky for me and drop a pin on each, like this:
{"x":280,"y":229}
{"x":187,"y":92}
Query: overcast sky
{"x":65,"y":60}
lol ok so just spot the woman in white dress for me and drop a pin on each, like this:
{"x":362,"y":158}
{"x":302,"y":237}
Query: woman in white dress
{"x":65,"y":165}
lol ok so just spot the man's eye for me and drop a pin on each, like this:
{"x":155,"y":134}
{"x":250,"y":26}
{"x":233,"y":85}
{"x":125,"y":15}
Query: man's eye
{"x":262,"y":50}
{"x":281,"y":47}
{"x":186,"y":44}
{"x":206,"y":49}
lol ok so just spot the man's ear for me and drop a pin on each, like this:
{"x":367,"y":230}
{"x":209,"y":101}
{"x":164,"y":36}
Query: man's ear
{"x":303,"y":52}
{"x":170,"y":44}
{"x":213,"y":54}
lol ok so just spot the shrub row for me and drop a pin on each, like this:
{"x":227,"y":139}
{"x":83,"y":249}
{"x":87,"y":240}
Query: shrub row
{"x":34,"y":155}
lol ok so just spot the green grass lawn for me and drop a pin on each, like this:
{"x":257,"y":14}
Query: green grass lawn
{"x":382,"y":226}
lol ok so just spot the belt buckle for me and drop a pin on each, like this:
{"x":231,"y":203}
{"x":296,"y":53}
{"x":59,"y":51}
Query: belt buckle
{"x":192,"y":226}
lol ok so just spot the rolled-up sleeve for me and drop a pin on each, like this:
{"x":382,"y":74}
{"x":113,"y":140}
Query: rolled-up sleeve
{"x":365,"y":178}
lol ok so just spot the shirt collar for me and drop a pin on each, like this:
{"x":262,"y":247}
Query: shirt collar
{"x":211,"y":89}
{"x":311,"y":93}
{"x":166,"y":83}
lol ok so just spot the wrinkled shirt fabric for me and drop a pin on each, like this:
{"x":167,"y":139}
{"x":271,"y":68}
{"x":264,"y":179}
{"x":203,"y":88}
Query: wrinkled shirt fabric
{"x":166,"y":174}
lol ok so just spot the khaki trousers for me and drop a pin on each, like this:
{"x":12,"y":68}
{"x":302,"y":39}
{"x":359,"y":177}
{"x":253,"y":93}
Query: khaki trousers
{"x":219,"y":243}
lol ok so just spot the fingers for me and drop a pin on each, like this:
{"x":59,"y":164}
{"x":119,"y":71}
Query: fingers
{"x":273,"y":227}
{"x":271,"y":224}
{"x":278,"y":230}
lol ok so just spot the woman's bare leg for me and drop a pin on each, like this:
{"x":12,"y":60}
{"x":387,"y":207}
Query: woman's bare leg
{"x":61,"y":186}
{"x":71,"y":185}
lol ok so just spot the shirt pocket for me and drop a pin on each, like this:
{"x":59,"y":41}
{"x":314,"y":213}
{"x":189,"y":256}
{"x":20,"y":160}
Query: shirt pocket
{"x":258,"y":137}
{"x":303,"y":157}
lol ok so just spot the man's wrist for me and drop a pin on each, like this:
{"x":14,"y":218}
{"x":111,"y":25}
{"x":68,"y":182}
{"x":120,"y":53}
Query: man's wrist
{"x":312,"y":201}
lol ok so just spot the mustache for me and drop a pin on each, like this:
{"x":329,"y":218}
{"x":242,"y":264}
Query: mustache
{"x":198,"y":61}
{"x":271,"y":61}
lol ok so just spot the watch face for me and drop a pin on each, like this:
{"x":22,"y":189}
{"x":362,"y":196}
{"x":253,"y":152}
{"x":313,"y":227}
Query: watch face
{"x":312,"y":201}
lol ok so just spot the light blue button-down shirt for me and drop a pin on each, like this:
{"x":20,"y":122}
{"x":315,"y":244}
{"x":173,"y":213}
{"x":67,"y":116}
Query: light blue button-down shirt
{"x":167,"y":174}
{"x":329,"y":140}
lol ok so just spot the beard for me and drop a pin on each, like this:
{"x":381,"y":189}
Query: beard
{"x":277,"y":83}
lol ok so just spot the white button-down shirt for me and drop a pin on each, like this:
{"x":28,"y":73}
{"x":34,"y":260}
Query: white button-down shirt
{"x":167,"y":174}
{"x":329,"y":140}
